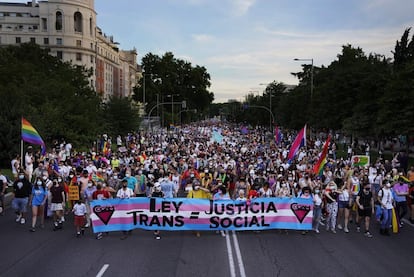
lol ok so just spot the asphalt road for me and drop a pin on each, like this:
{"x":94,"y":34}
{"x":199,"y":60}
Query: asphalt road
{"x":267,"y":253}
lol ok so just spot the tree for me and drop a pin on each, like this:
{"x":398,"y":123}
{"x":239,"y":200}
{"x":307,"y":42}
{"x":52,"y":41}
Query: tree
{"x":54,"y":96}
{"x":121,"y":116}
{"x":167,"y":77}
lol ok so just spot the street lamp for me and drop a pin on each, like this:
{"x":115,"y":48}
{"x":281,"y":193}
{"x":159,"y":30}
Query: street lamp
{"x":172,"y":106}
{"x":308,"y":60}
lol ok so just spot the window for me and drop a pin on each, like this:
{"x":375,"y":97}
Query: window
{"x":44,"y":24}
{"x":59,"y":41}
{"x":91,"y":26}
{"x":59,"y":21}
{"x":79,"y":56}
{"x":18,"y":40}
{"x":59,"y":55}
{"x":35,"y":27}
{"x":78,"y":43}
{"x":78,"y":22}
{"x":91,"y":58}
{"x":45,"y":40}
{"x":33,"y":40}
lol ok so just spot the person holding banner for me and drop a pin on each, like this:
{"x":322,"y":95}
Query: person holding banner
{"x":157,"y":193}
{"x":198,"y":192}
{"x":124,"y":193}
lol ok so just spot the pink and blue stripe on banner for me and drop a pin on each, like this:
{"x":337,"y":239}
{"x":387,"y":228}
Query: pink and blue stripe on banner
{"x":175,"y":214}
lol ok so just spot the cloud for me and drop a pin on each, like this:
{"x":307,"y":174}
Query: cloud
{"x":202,"y":38}
{"x":266,"y":58}
{"x":241,"y":7}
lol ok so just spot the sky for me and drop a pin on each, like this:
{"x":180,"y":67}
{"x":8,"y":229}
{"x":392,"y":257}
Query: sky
{"x":247,"y":43}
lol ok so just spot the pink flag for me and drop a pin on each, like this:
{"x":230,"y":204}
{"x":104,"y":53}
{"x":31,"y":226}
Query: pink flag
{"x":300,"y":141}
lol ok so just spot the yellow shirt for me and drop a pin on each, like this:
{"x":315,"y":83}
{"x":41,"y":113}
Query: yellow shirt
{"x":198,"y":194}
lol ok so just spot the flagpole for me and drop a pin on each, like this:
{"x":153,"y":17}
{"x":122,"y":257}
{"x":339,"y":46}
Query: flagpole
{"x":21,"y":153}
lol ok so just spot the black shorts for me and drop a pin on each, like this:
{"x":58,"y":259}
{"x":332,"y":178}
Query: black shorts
{"x":366,"y":212}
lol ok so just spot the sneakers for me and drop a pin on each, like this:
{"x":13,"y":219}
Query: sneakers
{"x":346,"y":230}
{"x":82,"y":231}
{"x":18,"y":218}
{"x":339,"y":227}
{"x":32,"y":230}
{"x":317,"y":231}
{"x":157,"y":237}
{"x":78,"y":235}
{"x":222,"y":233}
{"x":62,"y":219}
{"x":22,"y":220}
{"x":358,"y":229}
{"x":368,"y":234}
{"x":333,"y":231}
{"x":99,"y":236}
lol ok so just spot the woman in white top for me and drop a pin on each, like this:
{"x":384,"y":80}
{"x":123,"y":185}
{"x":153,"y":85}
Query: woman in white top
{"x":317,"y":209}
{"x":344,"y":205}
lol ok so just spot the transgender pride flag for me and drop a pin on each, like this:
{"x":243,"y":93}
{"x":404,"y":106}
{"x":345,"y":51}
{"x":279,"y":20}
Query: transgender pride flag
{"x":300,"y":141}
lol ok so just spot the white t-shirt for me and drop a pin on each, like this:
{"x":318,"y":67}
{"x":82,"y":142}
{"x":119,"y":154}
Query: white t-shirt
{"x":386,"y":198}
{"x":79,"y":209}
{"x":127,"y":193}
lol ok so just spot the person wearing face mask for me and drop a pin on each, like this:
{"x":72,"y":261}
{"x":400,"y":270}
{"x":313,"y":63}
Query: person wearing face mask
{"x":88,"y":196}
{"x":365,"y":203}
{"x":157,"y":192}
{"x":125,"y":193}
{"x":22,"y":190}
{"x":317,"y":209}
{"x":99,"y":194}
{"x":386,"y":201}
{"x":58,"y":198}
{"x":140,"y":188}
{"x":331,"y":195}
{"x":37,"y":201}
{"x":131,"y":180}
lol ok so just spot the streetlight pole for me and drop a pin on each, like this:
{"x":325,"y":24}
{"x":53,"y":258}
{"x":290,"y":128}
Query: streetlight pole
{"x":311,"y":85}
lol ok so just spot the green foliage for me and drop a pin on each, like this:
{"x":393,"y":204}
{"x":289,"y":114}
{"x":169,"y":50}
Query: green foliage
{"x":121,"y":116}
{"x":166,"y":76}
{"x":54,"y":96}
{"x":360,"y":94}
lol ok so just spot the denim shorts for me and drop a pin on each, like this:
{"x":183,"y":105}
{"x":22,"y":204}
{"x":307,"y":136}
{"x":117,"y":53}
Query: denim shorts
{"x":343,"y":204}
{"x":20,"y":204}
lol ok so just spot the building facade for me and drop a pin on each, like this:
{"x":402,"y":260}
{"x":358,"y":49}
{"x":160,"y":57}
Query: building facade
{"x":68,"y":28}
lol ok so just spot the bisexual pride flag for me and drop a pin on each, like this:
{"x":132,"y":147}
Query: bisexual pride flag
{"x":299,"y":141}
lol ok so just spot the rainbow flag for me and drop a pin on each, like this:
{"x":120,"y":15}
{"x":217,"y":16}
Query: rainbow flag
{"x":299,"y":141}
{"x":30,"y":135}
{"x":318,"y":167}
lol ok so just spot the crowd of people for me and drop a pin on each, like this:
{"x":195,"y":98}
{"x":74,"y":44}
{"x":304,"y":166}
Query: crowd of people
{"x":190,"y":162}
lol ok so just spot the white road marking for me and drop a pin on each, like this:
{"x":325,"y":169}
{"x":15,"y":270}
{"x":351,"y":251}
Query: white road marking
{"x":230,"y":255}
{"x":238,"y":255}
{"x":102,"y":271}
